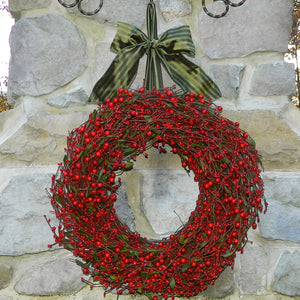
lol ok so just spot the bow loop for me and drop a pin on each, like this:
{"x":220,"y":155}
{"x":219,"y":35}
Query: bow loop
{"x":178,"y":39}
{"x":127,"y":37}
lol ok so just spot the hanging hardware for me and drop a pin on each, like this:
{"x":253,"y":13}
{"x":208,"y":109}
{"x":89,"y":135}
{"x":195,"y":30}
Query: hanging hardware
{"x":227,"y":4}
{"x":79,"y":5}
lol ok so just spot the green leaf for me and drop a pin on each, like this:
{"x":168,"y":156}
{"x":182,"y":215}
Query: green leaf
{"x":146,"y":274}
{"x":58,"y":199}
{"x":124,"y":238}
{"x":182,"y":240}
{"x":94,"y":114}
{"x":73,"y":189}
{"x":129,"y":151}
{"x":222,"y":238}
{"x":148,"y":119}
{"x":185,"y":267}
{"x":134,"y":253}
{"x":91,"y":208}
{"x":226,"y":160}
{"x":227,"y":191}
{"x":82,"y":264}
{"x":154,"y":251}
{"x":85,"y":151}
{"x":251,"y":142}
{"x":228,"y":254}
{"x":203,"y":244}
{"x":172,"y":283}
{"x":128,"y":166}
{"x":201,"y":164}
{"x":198,"y":259}
{"x":100,"y":174}
{"x":68,"y":246}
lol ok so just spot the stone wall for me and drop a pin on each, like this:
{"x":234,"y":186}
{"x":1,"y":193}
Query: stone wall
{"x":57,"y":56}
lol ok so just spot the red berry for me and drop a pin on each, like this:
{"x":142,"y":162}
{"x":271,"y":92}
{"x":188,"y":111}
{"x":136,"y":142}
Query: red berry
{"x":85,"y":271}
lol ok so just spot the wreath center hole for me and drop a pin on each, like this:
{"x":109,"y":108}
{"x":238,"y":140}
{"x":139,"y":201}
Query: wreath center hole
{"x":157,"y":196}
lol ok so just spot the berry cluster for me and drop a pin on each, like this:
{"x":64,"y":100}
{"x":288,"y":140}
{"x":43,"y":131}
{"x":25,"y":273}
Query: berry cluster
{"x":223,"y":161}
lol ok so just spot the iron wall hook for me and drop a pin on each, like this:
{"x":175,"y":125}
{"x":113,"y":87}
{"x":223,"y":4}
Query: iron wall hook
{"x":79,"y":5}
{"x":227,"y":4}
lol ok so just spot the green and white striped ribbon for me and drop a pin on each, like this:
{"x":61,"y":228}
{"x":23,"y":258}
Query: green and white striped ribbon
{"x":130,"y":44}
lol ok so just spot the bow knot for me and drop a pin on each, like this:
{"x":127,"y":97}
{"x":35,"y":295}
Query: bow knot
{"x":151,"y":44}
{"x":154,"y":43}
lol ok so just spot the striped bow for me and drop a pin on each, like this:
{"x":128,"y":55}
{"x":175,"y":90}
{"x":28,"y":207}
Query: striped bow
{"x":130,"y":44}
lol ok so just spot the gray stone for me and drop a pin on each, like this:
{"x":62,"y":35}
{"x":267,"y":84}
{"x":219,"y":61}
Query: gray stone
{"x":287,"y":274}
{"x":113,"y":11}
{"x":53,"y":120}
{"x":123,"y":210}
{"x":223,"y":286}
{"x":27,"y":145}
{"x":172,"y":9}
{"x":167,"y":198}
{"x":277,"y":78}
{"x":290,"y":115}
{"x":258,"y":25}
{"x":282,"y":187}
{"x":18,"y":5}
{"x":281,"y":222}
{"x":252,"y":274}
{"x":47,"y":52}
{"x":31,"y":136}
{"x":6,"y":297}
{"x":5,"y":276}
{"x":23,"y":202}
{"x":278,"y":145}
{"x":58,"y":276}
{"x":103,"y":59}
{"x":228,"y":78}
{"x":78,"y":97}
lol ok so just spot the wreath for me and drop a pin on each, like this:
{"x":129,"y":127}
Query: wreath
{"x":221,"y":157}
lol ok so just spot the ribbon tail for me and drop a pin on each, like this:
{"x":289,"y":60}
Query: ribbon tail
{"x":120,"y":74}
{"x":153,"y":71}
{"x":190,"y":77}
{"x":153,"y":75}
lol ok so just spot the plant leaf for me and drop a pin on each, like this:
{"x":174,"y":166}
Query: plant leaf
{"x":172,"y":283}
{"x":204,"y":244}
{"x":124,"y":238}
{"x":228,"y":254}
{"x":148,"y":119}
{"x":185,"y":267}
{"x":128,"y":166}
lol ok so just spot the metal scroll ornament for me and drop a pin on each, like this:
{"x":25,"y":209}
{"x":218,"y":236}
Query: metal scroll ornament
{"x":79,"y":5}
{"x":227,"y":5}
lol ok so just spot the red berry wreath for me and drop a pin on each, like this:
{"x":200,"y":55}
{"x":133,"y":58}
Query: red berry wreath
{"x":225,"y":166}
